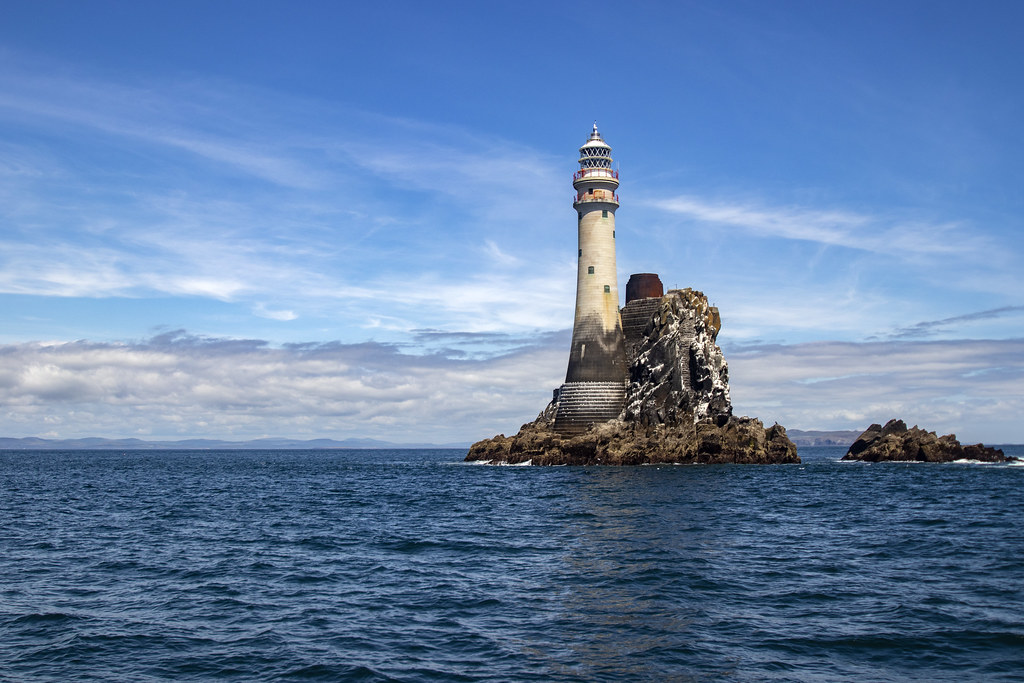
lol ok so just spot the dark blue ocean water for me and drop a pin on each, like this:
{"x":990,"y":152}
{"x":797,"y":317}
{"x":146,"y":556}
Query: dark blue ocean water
{"x":412,"y":566}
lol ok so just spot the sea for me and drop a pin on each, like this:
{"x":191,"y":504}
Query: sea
{"x":411,"y":565}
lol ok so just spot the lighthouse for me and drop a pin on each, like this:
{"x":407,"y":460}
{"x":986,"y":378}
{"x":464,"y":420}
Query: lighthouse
{"x":595,"y":382}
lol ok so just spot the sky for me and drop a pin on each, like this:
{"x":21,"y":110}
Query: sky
{"x":330,"y":219}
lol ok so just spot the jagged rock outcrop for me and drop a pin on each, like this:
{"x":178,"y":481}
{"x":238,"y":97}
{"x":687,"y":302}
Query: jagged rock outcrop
{"x":894,"y":442}
{"x":677,"y":407}
{"x":677,"y":374}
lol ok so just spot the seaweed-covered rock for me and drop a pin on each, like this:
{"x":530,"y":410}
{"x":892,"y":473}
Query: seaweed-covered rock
{"x":895,"y":442}
{"x":736,"y":440}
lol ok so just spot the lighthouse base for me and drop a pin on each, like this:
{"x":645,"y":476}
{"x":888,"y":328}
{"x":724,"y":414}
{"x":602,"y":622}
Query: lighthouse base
{"x":581,"y":404}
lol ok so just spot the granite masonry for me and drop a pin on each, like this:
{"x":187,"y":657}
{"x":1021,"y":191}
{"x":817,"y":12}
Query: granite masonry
{"x":676,"y":409}
{"x":645,"y":384}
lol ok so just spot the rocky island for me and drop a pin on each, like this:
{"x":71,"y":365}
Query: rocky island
{"x":896,"y":443}
{"x":644,"y":384}
{"x":647,"y":383}
{"x":677,"y":407}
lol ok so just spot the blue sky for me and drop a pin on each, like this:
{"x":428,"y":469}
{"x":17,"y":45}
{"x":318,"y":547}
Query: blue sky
{"x":238,"y":219}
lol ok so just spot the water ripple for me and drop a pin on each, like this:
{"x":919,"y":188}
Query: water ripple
{"x":402,"y":566}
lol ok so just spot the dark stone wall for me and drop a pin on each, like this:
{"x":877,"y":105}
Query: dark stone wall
{"x":636,"y":316}
{"x":596,"y":355}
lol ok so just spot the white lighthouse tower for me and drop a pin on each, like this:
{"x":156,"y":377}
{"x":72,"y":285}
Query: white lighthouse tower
{"x":595,"y":383}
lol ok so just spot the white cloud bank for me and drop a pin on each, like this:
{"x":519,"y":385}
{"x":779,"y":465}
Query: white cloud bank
{"x":974,"y":388}
{"x":178,"y":386}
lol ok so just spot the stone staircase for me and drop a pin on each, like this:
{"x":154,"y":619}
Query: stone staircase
{"x":581,"y":404}
{"x":635,"y":316}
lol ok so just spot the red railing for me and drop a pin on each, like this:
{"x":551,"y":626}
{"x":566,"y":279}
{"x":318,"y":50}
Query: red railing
{"x":579,"y":199}
{"x":595,"y":173}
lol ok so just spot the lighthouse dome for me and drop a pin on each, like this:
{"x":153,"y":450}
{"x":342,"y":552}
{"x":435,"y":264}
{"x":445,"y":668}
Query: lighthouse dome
{"x":595,"y":152}
{"x":595,"y":141}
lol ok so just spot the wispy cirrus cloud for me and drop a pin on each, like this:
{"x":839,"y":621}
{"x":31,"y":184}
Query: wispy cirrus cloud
{"x":322,"y":213}
{"x":839,"y":228}
{"x":929,"y":328}
{"x":309,"y":219}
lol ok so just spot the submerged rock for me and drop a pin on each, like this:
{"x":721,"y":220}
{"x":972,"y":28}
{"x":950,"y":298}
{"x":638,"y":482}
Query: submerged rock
{"x":677,"y":407}
{"x":895,"y":442}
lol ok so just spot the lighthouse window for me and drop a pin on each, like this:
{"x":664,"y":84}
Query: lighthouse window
{"x":590,"y":191}
{"x":607,"y":289}
{"x":604,"y":213}
{"x":590,"y":270}
{"x":581,"y":252}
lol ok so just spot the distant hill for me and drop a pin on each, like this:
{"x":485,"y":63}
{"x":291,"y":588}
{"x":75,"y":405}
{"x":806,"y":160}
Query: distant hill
{"x":95,"y":443}
{"x":818,"y":438}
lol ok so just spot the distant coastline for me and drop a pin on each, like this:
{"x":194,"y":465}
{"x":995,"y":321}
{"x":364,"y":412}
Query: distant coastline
{"x":802,"y":438}
{"x":96,"y":443}
{"x":823,"y":438}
